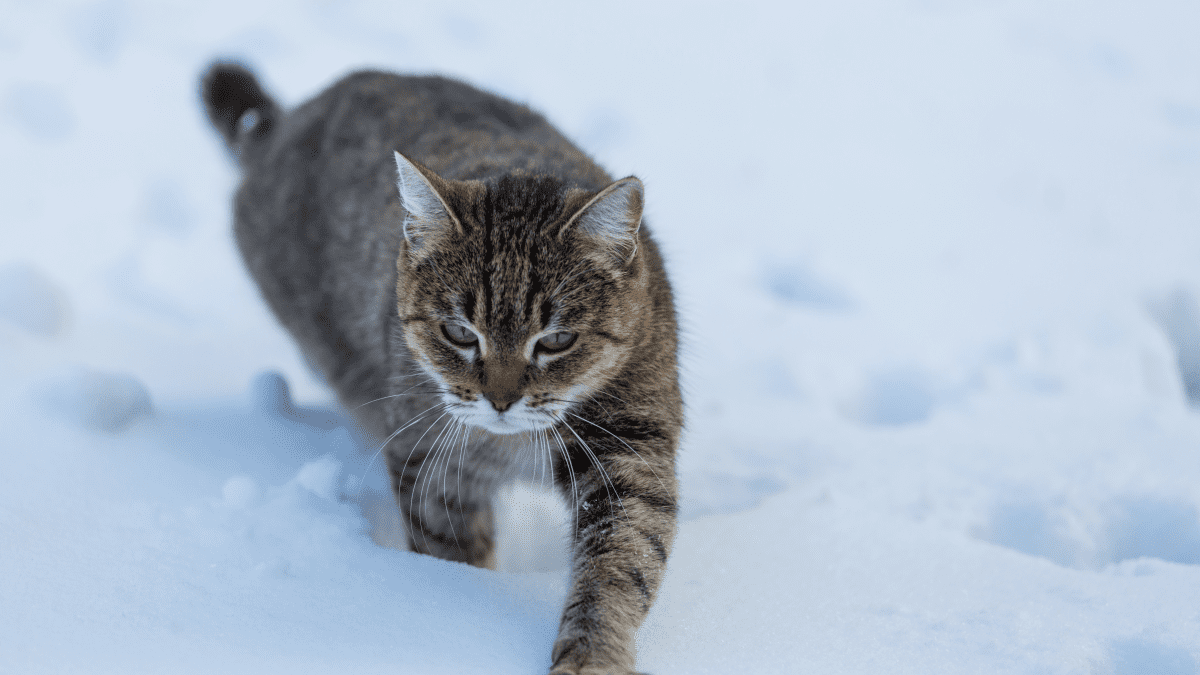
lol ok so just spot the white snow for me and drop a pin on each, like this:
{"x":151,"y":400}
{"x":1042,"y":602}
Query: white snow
{"x":937,"y":264}
{"x":98,"y":401}
{"x":30,"y":301}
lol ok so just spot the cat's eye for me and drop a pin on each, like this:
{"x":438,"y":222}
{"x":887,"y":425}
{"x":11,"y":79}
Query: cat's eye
{"x":557,"y":342}
{"x":459,"y":335}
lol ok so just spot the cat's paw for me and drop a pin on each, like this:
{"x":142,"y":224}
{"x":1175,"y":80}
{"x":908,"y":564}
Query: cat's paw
{"x":592,"y":670}
{"x":575,"y":656}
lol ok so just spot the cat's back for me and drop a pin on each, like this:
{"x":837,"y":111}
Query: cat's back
{"x":320,"y":187}
{"x":457,"y":130}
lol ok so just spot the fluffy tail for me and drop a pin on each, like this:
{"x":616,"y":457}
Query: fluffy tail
{"x":237,"y":105}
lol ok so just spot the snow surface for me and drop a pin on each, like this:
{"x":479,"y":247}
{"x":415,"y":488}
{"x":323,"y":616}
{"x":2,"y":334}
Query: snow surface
{"x":937,"y":263}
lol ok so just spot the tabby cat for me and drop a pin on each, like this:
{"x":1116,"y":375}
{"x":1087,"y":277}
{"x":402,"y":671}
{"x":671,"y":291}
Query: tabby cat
{"x":479,"y":292}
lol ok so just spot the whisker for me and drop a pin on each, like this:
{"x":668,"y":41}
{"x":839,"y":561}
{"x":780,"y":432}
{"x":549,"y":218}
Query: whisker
{"x":543,"y":460}
{"x":450,"y":442}
{"x":607,"y":412}
{"x":407,"y":459}
{"x":539,"y":451}
{"x":622,"y":441}
{"x":428,"y":380}
{"x":549,"y":457}
{"x":562,"y":451}
{"x":436,"y":447}
{"x":462,"y":453}
{"x":396,"y":433}
{"x":612,"y":395}
{"x":606,"y":480}
{"x":528,"y":444}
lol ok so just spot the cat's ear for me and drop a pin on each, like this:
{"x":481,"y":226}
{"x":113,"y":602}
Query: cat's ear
{"x":611,"y":219}
{"x":427,"y":213}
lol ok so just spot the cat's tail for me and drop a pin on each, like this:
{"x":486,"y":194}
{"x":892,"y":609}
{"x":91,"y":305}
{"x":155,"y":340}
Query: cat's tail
{"x":237,"y":106}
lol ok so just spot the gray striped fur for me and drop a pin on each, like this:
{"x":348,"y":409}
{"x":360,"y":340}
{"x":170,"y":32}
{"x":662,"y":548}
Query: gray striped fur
{"x":531,"y":237}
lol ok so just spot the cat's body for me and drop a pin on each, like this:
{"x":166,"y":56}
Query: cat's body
{"x":500,"y":302}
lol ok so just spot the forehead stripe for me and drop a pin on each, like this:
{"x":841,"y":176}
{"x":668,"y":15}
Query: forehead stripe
{"x":534,"y":282}
{"x":488,"y":254}
{"x":469,"y":305}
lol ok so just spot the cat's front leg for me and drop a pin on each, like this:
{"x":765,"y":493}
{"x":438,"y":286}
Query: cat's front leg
{"x":448,"y":517}
{"x":625,"y":515}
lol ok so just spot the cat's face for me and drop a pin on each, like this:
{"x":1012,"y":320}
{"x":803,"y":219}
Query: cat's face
{"x":519,"y":301}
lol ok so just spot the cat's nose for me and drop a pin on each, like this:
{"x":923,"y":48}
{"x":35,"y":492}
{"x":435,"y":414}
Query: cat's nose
{"x":502,"y":402}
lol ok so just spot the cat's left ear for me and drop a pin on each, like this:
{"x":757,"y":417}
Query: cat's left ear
{"x":427,"y":213}
{"x":611,"y":219}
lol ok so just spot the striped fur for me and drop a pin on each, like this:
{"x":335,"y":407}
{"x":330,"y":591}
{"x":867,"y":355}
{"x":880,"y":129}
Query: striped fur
{"x":501,"y":232}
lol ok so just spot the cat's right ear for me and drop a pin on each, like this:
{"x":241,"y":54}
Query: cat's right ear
{"x":427,"y":214}
{"x":611,"y":219}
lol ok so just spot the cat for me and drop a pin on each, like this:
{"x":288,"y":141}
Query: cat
{"x":480,"y":294}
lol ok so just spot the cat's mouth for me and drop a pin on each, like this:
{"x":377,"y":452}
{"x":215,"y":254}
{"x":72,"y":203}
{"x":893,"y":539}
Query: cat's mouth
{"x":505,"y":426}
{"x":517,"y":419}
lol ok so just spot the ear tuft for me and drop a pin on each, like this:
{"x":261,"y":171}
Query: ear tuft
{"x":427,"y":213}
{"x":612,"y":218}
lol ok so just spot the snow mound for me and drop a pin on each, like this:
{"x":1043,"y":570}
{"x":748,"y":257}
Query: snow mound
{"x":320,"y":477}
{"x":273,"y":395}
{"x":532,"y":529}
{"x":102,"y":401}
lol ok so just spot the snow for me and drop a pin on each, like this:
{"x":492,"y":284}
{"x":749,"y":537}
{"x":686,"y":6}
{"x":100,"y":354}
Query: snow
{"x":99,"y":401}
{"x":936,"y":261}
{"x":30,"y":301}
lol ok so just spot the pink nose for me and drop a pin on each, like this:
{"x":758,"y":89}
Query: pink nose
{"x":501,"y":402}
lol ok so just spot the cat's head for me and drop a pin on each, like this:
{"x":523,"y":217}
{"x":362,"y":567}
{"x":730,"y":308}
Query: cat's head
{"x":520,"y":297}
